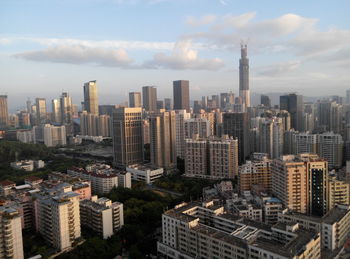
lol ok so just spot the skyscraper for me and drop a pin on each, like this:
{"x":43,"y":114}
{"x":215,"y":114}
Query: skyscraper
{"x":149,"y":98}
{"x":294,"y":104}
{"x":66,"y":108}
{"x":41,"y":115}
{"x":56,"y":111}
{"x":236,"y":125}
{"x":181,"y":95}
{"x":127,"y":136}
{"x":244,"y":92}
{"x":90,"y":97}
{"x":265,"y":100}
{"x":134,"y":99}
{"x":4,"y":115}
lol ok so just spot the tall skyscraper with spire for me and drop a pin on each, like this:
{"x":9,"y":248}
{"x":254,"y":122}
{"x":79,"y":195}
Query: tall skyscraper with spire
{"x":244,"y":92}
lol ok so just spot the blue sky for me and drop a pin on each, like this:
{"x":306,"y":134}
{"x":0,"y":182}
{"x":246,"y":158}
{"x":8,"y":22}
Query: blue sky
{"x":50,"y":46}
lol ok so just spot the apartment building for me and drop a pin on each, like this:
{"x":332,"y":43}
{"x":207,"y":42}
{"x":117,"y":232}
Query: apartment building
{"x":145,"y":173}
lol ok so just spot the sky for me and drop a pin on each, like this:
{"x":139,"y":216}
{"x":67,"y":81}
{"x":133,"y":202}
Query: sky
{"x":47,"y":47}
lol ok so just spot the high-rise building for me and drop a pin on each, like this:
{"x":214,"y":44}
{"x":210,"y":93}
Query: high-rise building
{"x":4,"y":114}
{"x":41,"y":113}
{"x":271,"y":135}
{"x":160,"y":104}
{"x":181,"y":94}
{"x":200,"y":126}
{"x":226,"y":100}
{"x":54,"y":135}
{"x":11,"y":244}
{"x":301,"y":183}
{"x":305,"y":143}
{"x":244,"y":91}
{"x":236,"y":125}
{"x":294,"y":104}
{"x":339,"y":192}
{"x":66,"y":108}
{"x":56,"y":111}
{"x":213,"y":157}
{"x":330,"y":147}
{"x":127,"y":136}
{"x":168,"y":104}
{"x":181,"y":116}
{"x":347,"y":96}
{"x":265,"y":100}
{"x":88,"y":124}
{"x":329,"y":116}
{"x":149,"y":98}
{"x":163,"y":139}
{"x":135,"y":99}
{"x":91,"y":97}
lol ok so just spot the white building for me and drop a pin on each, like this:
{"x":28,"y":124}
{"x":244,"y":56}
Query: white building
{"x":145,"y":173}
{"x":180,"y":117}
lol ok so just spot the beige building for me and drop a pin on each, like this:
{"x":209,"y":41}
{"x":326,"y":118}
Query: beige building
{"x":255,"y":173}
{"x":214,"y":158}
{"x":127,"y":128}
{"x":41,"y":113}
{"x":338,"y":192}
{"x":54,"y":135}
{"x":135,"y":99}
{"x":91,"y":97}
{"x":4,"y":114}
{"x":206,"y":231}
{"x":58,"y":217}
{"x":163,"y":139}
{"x":301,"y":183}
{"x":181,"y":116}
{"x":200,"y":126}
{"x":11,"y":242}
{"x":102,"y":216}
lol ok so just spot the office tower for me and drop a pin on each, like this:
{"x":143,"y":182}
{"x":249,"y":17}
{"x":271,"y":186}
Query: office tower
{"x":271,"y":135}
{"x":4,"y":114}
{"x":309,"y":117}
{"x":135,"y":99}
{"x":213,"y":158}
{"x":160,"y":104}
{"x":149,"y":98}
{"x":163,"y":139}
{"x":236,"y":125}
{"x":41,"y":116}
{"x":207,"y":230}
{"x":102,"y":216}
{"x":54,"y":135}
{"x":226,"y":100}
{"x":244,"y":91}
{"x":330,"y":147}
{"x":66,"y":108}
{"x":127,"y":136}
{"x":200,"y":126}
{"x":56,"y":111}
{"x":301,"y":183}
{"x":88,"y":124}
{"x":11,"y":244}
{"x":167,"y":104}
{"x":197,"y":107}
{"x":58,"y":217}
{"x":305,"y":143}
{"x":29,"y":106}
{"x":294,"y":104}
{"x":255,"y":172}
{"x":91,"y":97}
{"x":265,"y":101}
{"x":339,"y":192}
{"x":181,"y":94}
{"x":145,"y":132}
{"x":181,"y":116}
{"x":204,"y":102}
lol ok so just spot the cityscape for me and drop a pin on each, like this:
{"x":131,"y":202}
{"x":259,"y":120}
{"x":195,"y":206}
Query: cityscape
{"x":186,"y":172}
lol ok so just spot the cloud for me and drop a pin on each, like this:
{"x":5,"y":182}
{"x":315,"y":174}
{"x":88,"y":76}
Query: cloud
{"x":5,"y":41}
{"x":183,"y":57}
{"x":278,"y":69}
{"x":204,"y":20}
{"x":79,"y":55}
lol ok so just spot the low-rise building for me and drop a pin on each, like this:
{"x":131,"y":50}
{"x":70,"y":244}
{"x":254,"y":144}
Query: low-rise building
{"x":145,"y":173}
{"x":6,"y":187}
{"x":102,"y":216}
{"x":28,"y":165}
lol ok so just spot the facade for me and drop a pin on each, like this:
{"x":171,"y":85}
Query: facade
{"x":149,"y":98}
{"x":135,"y":99}
{"x":181,"y":93}
{"x":127,"y":136}
{"x":56,"y":111}
{"x":244,"y":91}
{"x":11,"y":244}
{"x":102,"y":216}
{"x":41,"y":113}
{"x":163,"y":139}
{"x":206,"y":231}
{"x":4,"y":114}
{"x":200,"y":126}
{"x":265,"y":101}
{"x":145,"y":173}
{"x":339,"y":192}
{"x":91,"y":97}
{"x":330,"y":147}
{"x":66,"y":108}
{"x":181,"y":116}
{"x":294,"y":104}
{"x":215,"y":158}
{"x":54,"y":135}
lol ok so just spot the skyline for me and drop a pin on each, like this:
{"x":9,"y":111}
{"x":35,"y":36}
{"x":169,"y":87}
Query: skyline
{"x":295,"y":48}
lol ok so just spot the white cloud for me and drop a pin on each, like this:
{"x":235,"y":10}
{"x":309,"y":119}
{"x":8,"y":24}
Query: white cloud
{"x":79,"y":55}
{"x":5,"y":41}
{"x":204,"y":20}
{"x":278,"y":69}
{"x":183,"y":57}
